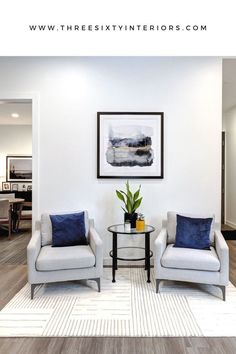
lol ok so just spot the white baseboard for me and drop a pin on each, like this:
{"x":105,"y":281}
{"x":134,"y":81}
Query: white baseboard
{"x":107,"y":261}
{"x":231,"y":224}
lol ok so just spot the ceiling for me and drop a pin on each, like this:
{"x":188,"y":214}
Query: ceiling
{"x":229,"y":84}
{"x":22,"y":107}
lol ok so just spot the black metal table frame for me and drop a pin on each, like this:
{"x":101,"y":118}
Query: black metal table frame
{"x":148,"y":255}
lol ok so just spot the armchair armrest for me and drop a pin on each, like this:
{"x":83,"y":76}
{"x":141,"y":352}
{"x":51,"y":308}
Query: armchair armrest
{"x":33,"y":250}
{"x":160,"y":243}
{"x":159,"y":248}
{"x":222,"y":251}
{"x":97,"y":246}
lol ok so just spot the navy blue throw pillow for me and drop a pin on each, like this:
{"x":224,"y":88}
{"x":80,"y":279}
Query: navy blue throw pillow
{"x":193,"y":232}
{"x":68,"y":230}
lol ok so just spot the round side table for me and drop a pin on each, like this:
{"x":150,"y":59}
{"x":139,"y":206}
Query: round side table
{"x":120,"y":229}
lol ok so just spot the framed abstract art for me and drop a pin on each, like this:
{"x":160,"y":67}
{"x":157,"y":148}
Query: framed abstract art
{"x":130,"y":144}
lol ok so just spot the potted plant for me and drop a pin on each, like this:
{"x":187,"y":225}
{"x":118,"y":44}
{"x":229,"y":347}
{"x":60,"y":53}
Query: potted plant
{"x":131,"y":201}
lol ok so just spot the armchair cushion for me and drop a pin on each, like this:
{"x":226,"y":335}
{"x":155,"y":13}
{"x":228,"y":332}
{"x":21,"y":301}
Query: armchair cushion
{"x":187,"y":258}
{"x":74,"y":257}
{"x":46,"y":226}
{"x":68,"y":230}
{"x":172,"y":223}
{"x":193,"y":232}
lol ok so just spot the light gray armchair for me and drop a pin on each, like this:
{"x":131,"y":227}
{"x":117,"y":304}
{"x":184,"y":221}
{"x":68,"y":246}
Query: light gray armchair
{"x":191,"y":265}
{"x":47,"y":264}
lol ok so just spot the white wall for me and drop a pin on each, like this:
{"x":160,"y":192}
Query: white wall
{"x":14,"y":140}
{"x":72,"y":90}
{"x":230,"y":129}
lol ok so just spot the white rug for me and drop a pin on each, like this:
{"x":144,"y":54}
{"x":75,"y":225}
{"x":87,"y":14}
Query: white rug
{"x":130,"y":307}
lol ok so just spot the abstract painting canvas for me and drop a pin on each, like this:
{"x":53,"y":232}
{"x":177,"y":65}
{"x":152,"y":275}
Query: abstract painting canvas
{"x":130,"y":144}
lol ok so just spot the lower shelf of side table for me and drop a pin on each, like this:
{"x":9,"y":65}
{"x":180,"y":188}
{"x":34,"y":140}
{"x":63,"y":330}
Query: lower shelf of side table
{"x":139,"y":257}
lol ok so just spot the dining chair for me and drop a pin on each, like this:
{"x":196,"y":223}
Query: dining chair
{"x":24,"y":214}
{"x":5,"y":215}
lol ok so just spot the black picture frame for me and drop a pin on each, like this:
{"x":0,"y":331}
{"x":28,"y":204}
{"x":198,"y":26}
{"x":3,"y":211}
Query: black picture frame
{"x":14,"y":187}
{"x":6,"y":186}
{"x":23,"y":175}
{"x":128,"y":175}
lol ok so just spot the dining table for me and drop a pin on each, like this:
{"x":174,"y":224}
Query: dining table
{"x":14,"y":201}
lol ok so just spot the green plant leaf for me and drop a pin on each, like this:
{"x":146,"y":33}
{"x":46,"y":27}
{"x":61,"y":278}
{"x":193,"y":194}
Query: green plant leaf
{"x":124,"y":193}
{"x":136,"y":194}
{"x":120,"y":196}
{"x":137,"y":204}
{"x":124,"y":209}
{"x":129,"y":206}
{"x":130,"y":195}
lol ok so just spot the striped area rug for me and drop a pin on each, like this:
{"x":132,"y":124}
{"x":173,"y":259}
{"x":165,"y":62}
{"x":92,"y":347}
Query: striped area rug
{"x":130,"y":307}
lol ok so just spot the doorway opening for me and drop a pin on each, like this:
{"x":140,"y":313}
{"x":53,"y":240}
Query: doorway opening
{"x":228,"y":185}
{"x":16,"y":171}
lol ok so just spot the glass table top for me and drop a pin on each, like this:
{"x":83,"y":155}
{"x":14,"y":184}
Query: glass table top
{"x":122,"y":229}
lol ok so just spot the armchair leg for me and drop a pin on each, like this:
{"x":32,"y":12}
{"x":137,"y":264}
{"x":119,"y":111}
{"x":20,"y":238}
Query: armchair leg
{"x":98,"y":281}
{"x":33,"y":286}
{"x":223,"y":289}
{"x":158,"y":281}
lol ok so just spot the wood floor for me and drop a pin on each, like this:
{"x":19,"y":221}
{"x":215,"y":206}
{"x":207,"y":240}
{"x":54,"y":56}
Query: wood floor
{"x":225,"y":227}
{"x":13,"y":277}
